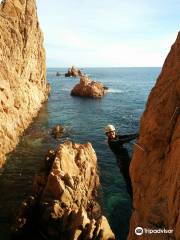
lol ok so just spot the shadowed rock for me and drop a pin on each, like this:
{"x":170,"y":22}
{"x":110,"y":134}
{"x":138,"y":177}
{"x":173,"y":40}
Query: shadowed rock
{"x":57,"y":131}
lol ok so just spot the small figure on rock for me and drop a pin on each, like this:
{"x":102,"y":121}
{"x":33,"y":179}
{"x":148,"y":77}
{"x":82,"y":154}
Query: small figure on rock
{"x":115,"y":143}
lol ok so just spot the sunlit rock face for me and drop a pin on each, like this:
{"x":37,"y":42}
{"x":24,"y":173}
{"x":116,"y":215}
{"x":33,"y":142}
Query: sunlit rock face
{"x":88,"y":88}
{"x":23,"y":86}
{"x":64,"y":201}
{"x":155,"y":171}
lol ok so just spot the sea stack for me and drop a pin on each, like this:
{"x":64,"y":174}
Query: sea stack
{"x":155,"y":167}
{"x":88,"y":88}
{"x":73,"y":72}
{"x":23,"y":86}
{"x":64,"y":198}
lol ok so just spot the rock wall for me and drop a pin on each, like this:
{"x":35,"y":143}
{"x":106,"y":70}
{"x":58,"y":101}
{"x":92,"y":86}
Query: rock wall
{"x":155,"y":171}
{"x":23,"y":86}
{"x":64,"y":202}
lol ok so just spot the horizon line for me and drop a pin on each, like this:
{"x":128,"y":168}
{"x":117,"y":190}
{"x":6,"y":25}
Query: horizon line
{"x":107,"y":67}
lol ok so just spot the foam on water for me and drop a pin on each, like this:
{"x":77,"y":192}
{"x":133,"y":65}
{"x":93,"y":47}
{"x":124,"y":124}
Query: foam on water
{"x":110,"y":90}
{"x":66,"y":89}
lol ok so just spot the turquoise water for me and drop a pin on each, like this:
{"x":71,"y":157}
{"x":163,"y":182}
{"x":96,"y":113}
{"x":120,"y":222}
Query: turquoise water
{"x":83,"y":120}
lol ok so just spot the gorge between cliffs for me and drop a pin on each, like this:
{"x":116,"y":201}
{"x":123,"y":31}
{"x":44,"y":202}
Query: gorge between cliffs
{"x":83,"y":195}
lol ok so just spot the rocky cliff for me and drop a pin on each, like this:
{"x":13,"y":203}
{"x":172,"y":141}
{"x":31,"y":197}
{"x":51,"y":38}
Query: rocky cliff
{"x":155,"y":168}
{"x":64,"y":202}
{"x":23,"y":86}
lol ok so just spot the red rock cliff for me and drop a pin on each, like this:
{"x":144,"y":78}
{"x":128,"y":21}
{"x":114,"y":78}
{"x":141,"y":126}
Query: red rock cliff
{"x":155,"y":172}
{"x":22,"y":70}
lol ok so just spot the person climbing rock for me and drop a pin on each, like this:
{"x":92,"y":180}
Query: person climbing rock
{"x":115,"y":143}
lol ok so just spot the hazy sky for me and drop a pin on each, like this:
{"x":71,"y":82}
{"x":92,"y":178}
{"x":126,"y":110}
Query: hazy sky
{"x":112,"y":33}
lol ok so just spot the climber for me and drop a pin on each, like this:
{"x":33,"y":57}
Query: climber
{"x":115,"y":143}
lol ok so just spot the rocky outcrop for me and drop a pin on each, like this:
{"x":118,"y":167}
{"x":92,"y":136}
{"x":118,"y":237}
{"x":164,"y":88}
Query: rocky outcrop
{"x":155,"y":169}
{"x":58,"y":74}
{"x":73,"y":72}
{"x":57,"y":131}
{"x":88,"y":88}
{"x":64,"y":202}
{"x":23,"y":86}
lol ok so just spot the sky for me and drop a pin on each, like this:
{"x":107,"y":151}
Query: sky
{"x":108,"y":33}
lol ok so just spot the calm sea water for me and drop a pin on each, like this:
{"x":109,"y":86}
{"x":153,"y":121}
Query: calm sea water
{"x":84,"y":120}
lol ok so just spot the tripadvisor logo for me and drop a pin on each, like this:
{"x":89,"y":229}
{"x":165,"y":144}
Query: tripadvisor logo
{"x":139,"y":231}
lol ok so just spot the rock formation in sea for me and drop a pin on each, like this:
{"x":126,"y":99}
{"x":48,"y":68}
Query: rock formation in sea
{"x":88,"y":88}
{"x":64,"y":198}
{"x":57,"y":131}
{"x":155,"y":171}
{"x":73,"y":72}
{"x":23,"y":86}
{"x":58,"y":74}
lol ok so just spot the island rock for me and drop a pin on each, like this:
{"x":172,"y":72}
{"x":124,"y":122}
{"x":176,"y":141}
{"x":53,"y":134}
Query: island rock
{"x":73,"y":72}
{"x":88,"y":88}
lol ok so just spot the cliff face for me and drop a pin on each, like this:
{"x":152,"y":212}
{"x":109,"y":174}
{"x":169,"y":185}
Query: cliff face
{"x":64,"y":202}
{"x":22,"y":70}
{"x":155,"y":172}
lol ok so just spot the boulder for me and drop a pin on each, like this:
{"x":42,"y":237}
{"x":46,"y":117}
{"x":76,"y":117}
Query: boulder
{"x":155,"y":171}
{"x":57,"y":131}
{"x":88,"y":88}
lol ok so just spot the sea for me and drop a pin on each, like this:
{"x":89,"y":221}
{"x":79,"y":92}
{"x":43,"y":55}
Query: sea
{"x":84,"y":120}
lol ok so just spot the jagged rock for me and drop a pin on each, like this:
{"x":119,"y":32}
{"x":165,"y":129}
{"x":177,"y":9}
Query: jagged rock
{"x":68,"y":208}
{"x":2,"y":159}
{"x":73,"y":72}
{"x":104,"y":229}
{"x":25,"y":215}
{"x":57,"y":131}
{"x":58,"y":74}
{"x":155,"y":172}
{"x":71,"y":161}
{"x":23,"y":86}
{"x":48,"y":89}
{"x":49,"y":159}
{"x":88,"y":88}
